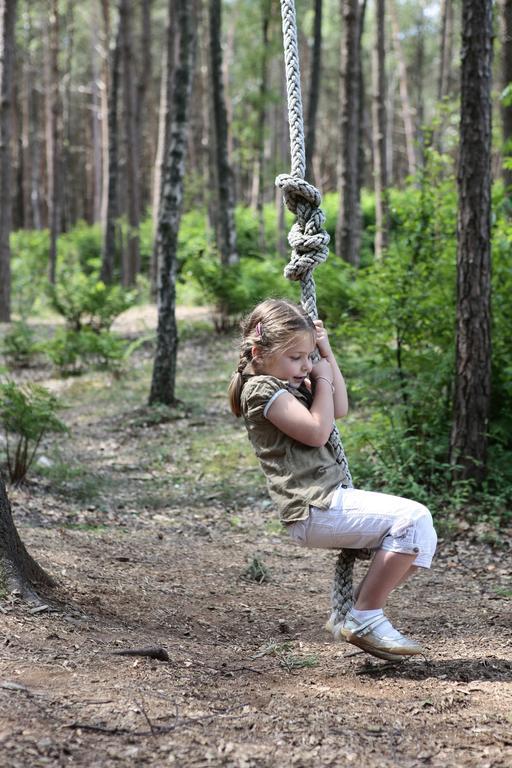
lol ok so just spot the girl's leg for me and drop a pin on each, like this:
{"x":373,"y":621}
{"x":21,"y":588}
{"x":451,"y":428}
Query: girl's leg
{"x":412,"y":570}
{"x":387,"y":571}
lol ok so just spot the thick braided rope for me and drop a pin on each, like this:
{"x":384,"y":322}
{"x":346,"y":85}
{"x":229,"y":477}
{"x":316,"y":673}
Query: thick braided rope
{"x":309,"y":242}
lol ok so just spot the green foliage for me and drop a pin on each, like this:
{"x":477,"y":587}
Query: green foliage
{"x":29,"y":267}
{"x":27,"y":413}
{"x":73,"y":352}
{"x":18,"y":345}
{"x":86,"y":302}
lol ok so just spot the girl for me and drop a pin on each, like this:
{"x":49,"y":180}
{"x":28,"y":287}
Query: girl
{"x":289,"y":404}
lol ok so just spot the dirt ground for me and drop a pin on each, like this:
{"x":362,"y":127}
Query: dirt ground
{"x":150,"y":538}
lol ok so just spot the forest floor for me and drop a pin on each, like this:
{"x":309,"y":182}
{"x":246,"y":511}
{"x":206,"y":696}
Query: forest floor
{"x":149,"y":520}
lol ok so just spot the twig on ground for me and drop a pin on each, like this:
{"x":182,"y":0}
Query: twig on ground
{"x":160,"y":654}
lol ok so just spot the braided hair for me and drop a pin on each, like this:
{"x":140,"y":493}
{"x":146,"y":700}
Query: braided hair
{"x":271,"y":327}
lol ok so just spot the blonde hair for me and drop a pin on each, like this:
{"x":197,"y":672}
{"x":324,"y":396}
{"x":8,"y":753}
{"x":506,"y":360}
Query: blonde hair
{"x":271,"y":327}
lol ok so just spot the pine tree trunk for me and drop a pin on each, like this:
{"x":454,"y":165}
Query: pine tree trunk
{"x":52,"y":135}
{"x":473,"y":340}
{"x":164,"y":368}
{"x":226,"y":232}
{"x":144,"y":104}
{"x":379,"y":132}
{"x":348,"y":228}
{"x":314,"y":89}
{"x":104,"y":108}
{"x":108,"y":258}
{"x":404,"y":92}
{"x":506,"y":111}
{"x":445,"y":59}
{"x":7,"y":43}
{"x":19,"y":572}
{"x":131,"y":253}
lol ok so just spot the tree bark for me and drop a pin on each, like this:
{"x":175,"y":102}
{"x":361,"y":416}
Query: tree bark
{"x":380,"y":175}
{"x":131,"y":252}
{"x":52,"y":134}
{"x":112,"y":205}
{"x":348,"y":228}
{"x":404,"y":92}
{"x":445,"y":59}
{"x":225,"y":219}
{"x":473,"y":338}
{"x":164,"y":122}
{"x":314,"y":89}
{"x":164,"y":368}
{"x":506,"y":110}
{"x":7,"y":43}
{"x":19,"y":572}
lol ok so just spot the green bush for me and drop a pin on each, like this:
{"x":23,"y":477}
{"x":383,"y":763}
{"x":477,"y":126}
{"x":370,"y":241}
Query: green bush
{"x":29,"y":267}
{"x":86,"y":302}
{"x":73,"y":352}
{"x":27,"y":413}
{"x":18,"y":345}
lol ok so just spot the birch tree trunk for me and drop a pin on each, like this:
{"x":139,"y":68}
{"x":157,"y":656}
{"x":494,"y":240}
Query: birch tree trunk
{"x":225,"y":218}
{"x":112,"y":204}
{"x":164,"y":122}
{"x":379,"y":131}
{"x":19,"y":572}
{"x":348,"y":227}
{"x":164,"y":368}
{"x":473,"y":338}
{"x":506,"y":110}
{"x":7,"y":43}
{"x":314,"y":89}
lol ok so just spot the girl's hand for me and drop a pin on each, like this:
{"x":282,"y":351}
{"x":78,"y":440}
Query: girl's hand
{"x":322,"y":340}
{"x":322,"y":369}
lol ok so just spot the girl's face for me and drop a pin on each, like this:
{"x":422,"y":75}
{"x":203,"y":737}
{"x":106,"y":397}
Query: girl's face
{"x":294,"y":363}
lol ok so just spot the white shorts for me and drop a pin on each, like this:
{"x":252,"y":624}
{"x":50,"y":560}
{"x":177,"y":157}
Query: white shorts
{"x":367,"y":520}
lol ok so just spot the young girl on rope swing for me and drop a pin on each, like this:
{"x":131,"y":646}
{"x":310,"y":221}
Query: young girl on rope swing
{"x":289,"y":404}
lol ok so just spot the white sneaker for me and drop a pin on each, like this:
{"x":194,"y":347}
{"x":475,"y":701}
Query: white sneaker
{"x":366,"y":635}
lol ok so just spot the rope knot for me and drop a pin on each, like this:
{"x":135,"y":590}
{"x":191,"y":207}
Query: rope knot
{"x":308,"y":238}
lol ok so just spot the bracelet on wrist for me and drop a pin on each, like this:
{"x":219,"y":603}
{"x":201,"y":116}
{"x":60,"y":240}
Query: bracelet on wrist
{"x":328,"y":381}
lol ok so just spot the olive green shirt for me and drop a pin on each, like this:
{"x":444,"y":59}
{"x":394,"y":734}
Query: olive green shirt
{"x":297,"y":474}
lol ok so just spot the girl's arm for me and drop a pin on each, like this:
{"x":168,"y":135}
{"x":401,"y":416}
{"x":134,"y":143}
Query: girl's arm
{"x":340,"y":388}
{"x":311,"y":427}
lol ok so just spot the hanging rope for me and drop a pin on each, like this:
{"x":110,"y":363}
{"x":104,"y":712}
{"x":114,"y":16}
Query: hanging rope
{"x":309,"y":242}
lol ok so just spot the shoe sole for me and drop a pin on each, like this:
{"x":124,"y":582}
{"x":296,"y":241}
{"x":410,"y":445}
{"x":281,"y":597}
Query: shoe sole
{"x":388,"y":654}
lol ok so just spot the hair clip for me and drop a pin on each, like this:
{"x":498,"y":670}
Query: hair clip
{"x":258,"y":330}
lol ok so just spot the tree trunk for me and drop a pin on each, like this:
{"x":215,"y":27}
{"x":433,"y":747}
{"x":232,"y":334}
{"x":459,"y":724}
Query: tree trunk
{"x":314,"y":89}
{"x":473,"y":340}
{"x":225,"y":219}
{"x":506,"y":110}
{"x":97,"y":132}
{"x":445,"y":59}
{"x":112,"y":206}
{"x":104,"y":108}
{"x":379,"y":131}
{"x":52,"y":134}
{"x":404,"y":92}
{"x":164,"y":368}
{"x":19,"y":572}
{"x":7,"y":43}
{"x":131,"y":253}
{"x":144,"y":105}
{"x":164,"y":122}
{"x":348,"y":228}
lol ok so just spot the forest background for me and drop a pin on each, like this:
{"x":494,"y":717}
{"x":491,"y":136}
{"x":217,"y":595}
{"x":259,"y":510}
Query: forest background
{"x":96,"y":98}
